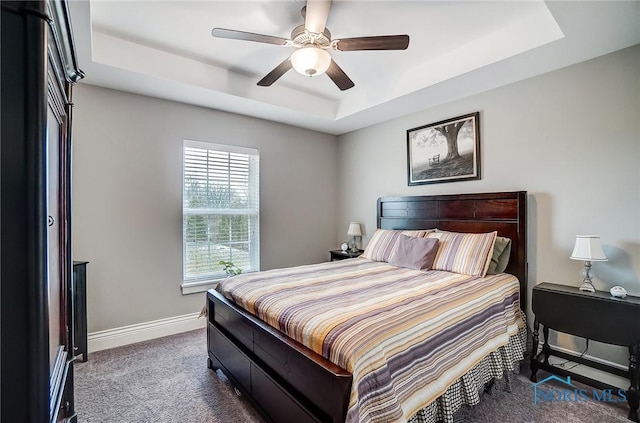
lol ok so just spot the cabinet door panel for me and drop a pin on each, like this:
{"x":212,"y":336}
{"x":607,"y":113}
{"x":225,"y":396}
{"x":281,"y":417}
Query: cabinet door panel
{"x":53,"y":236}
{"x":56,"y":278}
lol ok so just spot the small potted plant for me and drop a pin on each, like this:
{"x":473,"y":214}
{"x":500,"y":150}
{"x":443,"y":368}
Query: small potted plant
{"x":229,"y":268}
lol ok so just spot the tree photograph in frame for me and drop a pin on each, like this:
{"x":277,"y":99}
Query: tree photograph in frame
{"x":445,"y":151}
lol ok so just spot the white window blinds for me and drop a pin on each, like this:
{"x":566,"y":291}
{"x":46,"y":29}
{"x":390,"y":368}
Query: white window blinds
{"x":220,"y":210}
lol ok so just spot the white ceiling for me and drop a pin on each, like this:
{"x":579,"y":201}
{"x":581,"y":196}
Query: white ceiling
{"x":165,"y":49}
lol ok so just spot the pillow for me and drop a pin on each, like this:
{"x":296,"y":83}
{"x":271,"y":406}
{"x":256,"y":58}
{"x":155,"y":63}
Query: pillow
{"x":418,"y":233}
{"x":464,"y":253}
{"x":414,"y":253}
{"x":383,"y":242}
{"x":500,"y":257}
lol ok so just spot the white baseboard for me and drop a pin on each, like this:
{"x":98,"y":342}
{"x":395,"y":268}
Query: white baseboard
{"x":131,"y":334}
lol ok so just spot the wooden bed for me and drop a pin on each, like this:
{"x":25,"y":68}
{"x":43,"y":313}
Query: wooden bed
{"x":288,"y":382}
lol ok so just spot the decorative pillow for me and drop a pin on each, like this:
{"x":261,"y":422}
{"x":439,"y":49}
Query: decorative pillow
{"x":383,"y":241}
{"x":500,"y":257}
{"x":414,"y":253}
{"x":464,"y":253}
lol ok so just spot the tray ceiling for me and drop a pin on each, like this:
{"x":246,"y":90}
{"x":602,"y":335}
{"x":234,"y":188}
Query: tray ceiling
{"x":165,"y":49}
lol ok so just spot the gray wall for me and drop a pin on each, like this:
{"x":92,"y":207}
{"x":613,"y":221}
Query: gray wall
{"x":127,"y":188}
{"x":571,"y":138}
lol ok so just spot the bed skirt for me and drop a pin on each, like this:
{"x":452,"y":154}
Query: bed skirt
{"x":494,"y":368}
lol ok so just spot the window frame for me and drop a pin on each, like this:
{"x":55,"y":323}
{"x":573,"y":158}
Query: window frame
{"x":200,"y":284}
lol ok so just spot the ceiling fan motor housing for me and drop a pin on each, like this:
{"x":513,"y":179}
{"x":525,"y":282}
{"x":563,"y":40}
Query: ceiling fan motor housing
{"x":301,"y":36}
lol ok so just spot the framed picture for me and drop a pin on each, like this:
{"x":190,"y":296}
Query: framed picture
{"x":445,"y":151}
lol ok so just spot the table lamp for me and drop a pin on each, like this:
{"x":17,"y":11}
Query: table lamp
{"x":354,"y":231}
{"x":588,"y":249}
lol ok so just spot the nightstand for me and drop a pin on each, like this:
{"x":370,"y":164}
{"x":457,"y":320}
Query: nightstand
{"x":80,"y":309}
{"x":593,"y":315}
{"x":341,"y":255}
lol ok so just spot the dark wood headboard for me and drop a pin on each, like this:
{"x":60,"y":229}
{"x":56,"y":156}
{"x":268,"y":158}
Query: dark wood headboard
{"x":505,"y":212}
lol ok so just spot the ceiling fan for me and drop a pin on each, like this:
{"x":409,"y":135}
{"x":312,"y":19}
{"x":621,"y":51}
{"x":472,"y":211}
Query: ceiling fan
{"x":312,"y":40}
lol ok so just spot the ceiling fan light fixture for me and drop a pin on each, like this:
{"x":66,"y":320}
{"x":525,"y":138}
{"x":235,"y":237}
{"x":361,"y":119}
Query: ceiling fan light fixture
{"x":310,"y":61}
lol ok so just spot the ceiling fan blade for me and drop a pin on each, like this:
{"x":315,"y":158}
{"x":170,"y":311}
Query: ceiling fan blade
{"x":316,"y":15}
{"x":247,"y":36}
{"x":338,"y":76}
{"x":276,"y":73}
{"x":381,"y":42}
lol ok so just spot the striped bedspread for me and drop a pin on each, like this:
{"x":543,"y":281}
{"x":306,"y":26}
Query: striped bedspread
{"x":404,"y":335}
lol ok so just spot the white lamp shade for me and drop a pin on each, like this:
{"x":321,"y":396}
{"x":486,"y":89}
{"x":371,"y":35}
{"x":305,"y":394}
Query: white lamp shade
{"x":588,"y":248}
{"x":310,"y":61}
{"x":354,"y":229}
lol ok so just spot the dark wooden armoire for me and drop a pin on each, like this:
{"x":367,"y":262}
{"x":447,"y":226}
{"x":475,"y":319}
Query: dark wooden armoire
{"x":39,"y":68}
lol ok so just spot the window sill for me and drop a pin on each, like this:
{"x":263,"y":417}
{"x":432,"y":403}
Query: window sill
{"x":196,"y":287}
{"x":203,"y":286}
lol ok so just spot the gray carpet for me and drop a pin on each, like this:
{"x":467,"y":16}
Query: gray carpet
{"x":162,"y":380}
{"x":167,"y":380}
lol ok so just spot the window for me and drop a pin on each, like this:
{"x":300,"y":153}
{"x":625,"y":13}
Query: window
{"x":220,"y":210}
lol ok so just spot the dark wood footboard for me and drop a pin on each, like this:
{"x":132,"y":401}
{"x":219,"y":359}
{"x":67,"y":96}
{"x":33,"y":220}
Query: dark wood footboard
{"x":284,"y":380}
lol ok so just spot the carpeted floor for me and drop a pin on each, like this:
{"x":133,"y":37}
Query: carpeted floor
{"x":162,"y":380}
{"x":166,"y":380}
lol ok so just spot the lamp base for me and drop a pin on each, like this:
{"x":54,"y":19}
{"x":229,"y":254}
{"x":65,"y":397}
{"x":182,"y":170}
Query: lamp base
{"x":587,"y":286}
{"x":354,"y":245}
